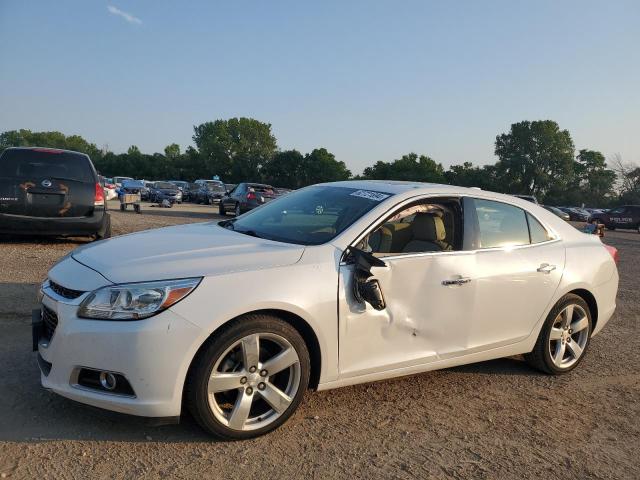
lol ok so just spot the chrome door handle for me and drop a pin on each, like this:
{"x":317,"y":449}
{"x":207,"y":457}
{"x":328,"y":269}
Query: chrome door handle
{"x":546,"y":268}
{"x":457,"y":281}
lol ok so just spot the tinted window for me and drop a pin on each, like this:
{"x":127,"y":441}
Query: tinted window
{"x":500,"y":224}
{"x":539,"y":234}
{"x":46,"y":164}
{"x":166,"y":185}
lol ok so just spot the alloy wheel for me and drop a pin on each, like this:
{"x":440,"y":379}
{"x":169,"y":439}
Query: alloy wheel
{"x":254,"y":381}
{"x":569,"y":336}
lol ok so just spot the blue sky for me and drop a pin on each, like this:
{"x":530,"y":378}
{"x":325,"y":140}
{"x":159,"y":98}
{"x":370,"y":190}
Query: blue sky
{"x":368,"y":80}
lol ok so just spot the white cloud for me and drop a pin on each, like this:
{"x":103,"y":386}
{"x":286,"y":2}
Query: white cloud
{"x":127,"y":16}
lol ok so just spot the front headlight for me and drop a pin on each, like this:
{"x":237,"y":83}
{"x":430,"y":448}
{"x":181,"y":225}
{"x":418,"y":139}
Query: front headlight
{"x":134,"y":301}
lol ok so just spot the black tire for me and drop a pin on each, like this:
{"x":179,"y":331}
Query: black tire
{"x":123,"y":207}
{"x":221,"y":209}
{"x":540,"y":357}
{"x":136,"y":208}
{"x":610,"y":227}
{"x":105,"y":230}
{"x":238,"y":210}
{"x":197,"y":396}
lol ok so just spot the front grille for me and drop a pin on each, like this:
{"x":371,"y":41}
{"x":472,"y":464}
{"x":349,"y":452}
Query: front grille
{"x":49,"y":322}
{"x":64,"y":291}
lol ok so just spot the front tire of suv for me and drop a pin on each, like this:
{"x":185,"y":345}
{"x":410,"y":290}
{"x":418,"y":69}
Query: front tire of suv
{"x":248,"y":378}
{"x":564,"y":337}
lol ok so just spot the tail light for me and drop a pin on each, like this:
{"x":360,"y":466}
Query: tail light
{"x":251,"y":195}
{"x":613,"y":251}
{"x":98,"y":200}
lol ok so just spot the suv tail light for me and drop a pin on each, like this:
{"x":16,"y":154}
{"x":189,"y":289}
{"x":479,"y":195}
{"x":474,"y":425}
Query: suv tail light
{"x":99,"y":198}
{"x":251,"y":195}
{"x":613,"y":251}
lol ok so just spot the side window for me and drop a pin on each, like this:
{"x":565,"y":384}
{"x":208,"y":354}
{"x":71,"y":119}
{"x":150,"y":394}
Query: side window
{"x":500,"y":224}
{"x":419,"y":228}
{"x":617,"y":211}
{"x":538,"y":233}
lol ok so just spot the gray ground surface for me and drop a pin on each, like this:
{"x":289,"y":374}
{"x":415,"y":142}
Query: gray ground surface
{"x":496,"y":419}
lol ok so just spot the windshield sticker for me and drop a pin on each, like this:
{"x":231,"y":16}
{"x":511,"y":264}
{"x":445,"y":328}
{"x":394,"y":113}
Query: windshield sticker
{"x":369,"y":195}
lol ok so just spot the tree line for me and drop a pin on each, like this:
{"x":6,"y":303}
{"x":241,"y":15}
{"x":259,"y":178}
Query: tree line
{"x":534,"y":158}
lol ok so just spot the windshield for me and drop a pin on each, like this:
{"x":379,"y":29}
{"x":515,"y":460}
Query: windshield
{"x":311,"y":216}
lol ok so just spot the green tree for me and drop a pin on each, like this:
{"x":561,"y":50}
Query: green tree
{"x":285,"y":169}
{"x":534,"y":158}
{"x":468,"y":175}
{"x":234,"y":149}
{"x":594,"y":179}
{"x":172,"y":151}
{"x":409,"y":167}
{"x":321,"y":166}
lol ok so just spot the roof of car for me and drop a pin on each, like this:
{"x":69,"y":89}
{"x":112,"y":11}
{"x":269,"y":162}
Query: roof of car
{"x":398,"y":186}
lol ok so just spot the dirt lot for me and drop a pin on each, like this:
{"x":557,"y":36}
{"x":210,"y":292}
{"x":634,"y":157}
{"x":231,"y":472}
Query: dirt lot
{"x":497,"y":419}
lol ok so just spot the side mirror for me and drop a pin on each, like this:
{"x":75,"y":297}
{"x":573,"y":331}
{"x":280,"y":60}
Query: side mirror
{"x":366,"y":289}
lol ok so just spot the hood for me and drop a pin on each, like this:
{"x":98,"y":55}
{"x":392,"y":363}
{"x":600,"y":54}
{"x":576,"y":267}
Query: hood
{"x":193,"y":250}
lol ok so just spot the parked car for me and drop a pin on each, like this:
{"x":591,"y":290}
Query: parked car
{"x":334,"y":284}
{"x":181,"y":185}
{"x":282,"y":191}
{"x":145,"y":191}
{"x":45,"y":191}
{"x":109,"y":187}
{"x":118,"y":180}
{"x":210,"y":193}
{"x":190,"y":194}
{"x":528,"y":198}
{"x":245,"y":197}
{"x":626,"y":216}
{"x":556,"y":211}
{"x":576,"y":214}
{"x":202,"y":181}
{"x":164,"y":191}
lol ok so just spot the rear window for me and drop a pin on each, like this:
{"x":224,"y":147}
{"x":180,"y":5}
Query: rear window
{"x":262,"y":189}
{"x":42,"y":164}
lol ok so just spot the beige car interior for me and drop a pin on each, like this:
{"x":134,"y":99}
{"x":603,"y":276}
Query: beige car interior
{"x":419,"y":228}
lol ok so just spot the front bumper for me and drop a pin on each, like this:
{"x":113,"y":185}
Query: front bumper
{"x":152,"y":354}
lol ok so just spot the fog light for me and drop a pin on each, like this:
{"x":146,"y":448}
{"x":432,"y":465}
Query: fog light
{"x":108,"y":380}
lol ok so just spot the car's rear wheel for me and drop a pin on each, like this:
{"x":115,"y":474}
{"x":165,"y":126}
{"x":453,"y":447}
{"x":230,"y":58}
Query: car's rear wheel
{"x":249,"y":378}
{"x":564,"y":338}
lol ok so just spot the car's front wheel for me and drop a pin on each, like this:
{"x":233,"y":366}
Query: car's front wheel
{"x":564,"y":337}
{"x":249,"y":378}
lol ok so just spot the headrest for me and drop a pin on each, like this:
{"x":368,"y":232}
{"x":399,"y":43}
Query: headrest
{"x":429,"y":227}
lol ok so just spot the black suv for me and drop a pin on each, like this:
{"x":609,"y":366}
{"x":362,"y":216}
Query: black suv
{"x":47,"y":191}
{"x":627,"y":216}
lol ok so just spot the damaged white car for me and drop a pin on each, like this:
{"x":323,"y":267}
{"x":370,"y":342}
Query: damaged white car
{"x":331,"y":285}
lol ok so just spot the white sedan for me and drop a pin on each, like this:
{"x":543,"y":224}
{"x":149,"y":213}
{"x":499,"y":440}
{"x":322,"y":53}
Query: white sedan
{"x":332,"y":285}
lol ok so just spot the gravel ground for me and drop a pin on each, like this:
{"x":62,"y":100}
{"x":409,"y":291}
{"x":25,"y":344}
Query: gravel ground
{"x":496,"y":419}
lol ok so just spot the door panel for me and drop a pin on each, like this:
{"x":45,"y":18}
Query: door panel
{"x":512,"y":295}
{"x":423,"y":319}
